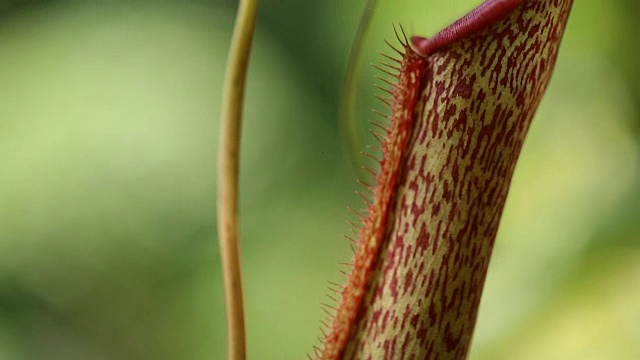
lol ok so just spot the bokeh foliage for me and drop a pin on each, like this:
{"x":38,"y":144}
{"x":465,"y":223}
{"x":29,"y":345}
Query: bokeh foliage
{"x":108,"y":131}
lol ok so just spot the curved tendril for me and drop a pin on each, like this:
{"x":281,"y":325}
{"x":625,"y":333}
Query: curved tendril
{"x":349,"y":99}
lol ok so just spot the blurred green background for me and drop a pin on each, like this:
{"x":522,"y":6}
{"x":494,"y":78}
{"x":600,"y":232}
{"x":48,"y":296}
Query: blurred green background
{"x":108,"y":132}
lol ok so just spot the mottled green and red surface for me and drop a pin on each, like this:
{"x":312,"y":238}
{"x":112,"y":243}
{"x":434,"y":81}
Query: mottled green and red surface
{"x":459,"y":119}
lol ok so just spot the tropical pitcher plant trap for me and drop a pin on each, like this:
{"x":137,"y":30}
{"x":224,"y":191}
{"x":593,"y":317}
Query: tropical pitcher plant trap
{"x":460,"y":104}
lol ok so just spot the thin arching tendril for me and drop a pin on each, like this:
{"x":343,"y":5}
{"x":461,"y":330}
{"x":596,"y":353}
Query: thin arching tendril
{"x":349,"y":97}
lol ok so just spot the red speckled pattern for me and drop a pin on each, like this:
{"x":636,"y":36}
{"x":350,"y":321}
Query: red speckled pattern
{"x":373,"y":230}
{"x":448,"y":160}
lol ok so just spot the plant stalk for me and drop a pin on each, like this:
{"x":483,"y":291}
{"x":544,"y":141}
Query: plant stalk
{"x":228,"y":169}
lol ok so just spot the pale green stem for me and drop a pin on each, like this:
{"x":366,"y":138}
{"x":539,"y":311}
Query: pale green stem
{"x":229,"y":156}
